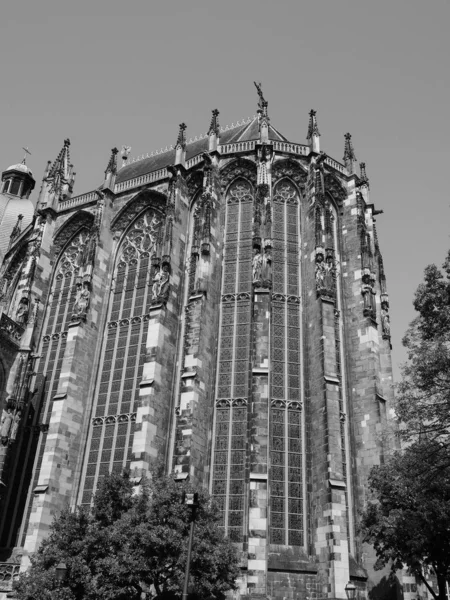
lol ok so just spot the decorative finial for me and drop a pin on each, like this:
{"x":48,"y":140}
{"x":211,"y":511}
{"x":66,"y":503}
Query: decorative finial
{"x":363,"y":179}
{"x":67,"y":142}
{"x":181,"y":140}
{"x":313,"y":129}
{"x":349,"y":153}
{"x":262,"y":102}
{"x":24,"y":159}
{"x":214,"y":127}
{"x":112,"y":164}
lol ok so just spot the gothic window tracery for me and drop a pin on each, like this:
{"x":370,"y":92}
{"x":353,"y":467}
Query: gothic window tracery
{"x":286,"y":511}
{"x":234,"y":356}
{"x":123,"y":354}
{"x":57,"y":318}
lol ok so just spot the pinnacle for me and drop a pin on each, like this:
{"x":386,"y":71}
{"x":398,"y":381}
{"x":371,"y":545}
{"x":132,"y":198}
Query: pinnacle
{"x":313,"y":129}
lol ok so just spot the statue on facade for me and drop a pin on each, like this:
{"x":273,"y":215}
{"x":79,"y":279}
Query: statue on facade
{"x":329,"y":275}
{"x":81,"y":304}
{"x":22,"y":312}
{"x":7,"y":420}
{"x":320,"y":272}
{"x":267,"y":267}
{"x":160,"y":287}
{"x":257,"y":265}
{"x":385,"y":319}
{"x":15,"y":426}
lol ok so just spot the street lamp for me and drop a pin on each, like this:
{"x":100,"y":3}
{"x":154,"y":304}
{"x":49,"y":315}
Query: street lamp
{"x":61,"y":571}
{"x":191,"y":500}
{"x":350,"y":590}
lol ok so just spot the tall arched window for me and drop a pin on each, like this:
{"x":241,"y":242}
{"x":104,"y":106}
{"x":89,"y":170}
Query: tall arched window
{"x":286,"y":423}
{"x":123,"y":353}
{"x":234,"y":355}
{"x":51,"y":351}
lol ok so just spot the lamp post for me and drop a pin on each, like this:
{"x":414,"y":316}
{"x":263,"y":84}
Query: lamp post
{"x":350,"y":590}
{"x":191,"y":500}
{"x":61,"y":571}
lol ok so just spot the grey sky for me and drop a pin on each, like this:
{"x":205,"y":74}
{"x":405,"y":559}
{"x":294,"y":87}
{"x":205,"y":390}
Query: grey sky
{"x":106,"y":73}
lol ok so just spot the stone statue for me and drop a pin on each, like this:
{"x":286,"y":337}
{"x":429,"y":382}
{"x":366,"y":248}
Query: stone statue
{"x":15,"y":426}
{"x":81,"y":304}
{"x":155,"y":286}
{"x":257,"y":265}
{"x":385,"y":320}
{"x":329,"y":274}
{"x":22,"y":312}
{"x":160,"y":287}
{"x":320,"y":272}
{"x":267,"y":267}
{"x":7,"y":420}
{"x":164,"y":284}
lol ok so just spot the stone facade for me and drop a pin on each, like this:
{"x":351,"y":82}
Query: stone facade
{"x":222,"y":307}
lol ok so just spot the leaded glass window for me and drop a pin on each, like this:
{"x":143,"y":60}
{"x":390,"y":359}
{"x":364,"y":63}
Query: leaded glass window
{"x":230,"y":451}
{"x":286,"y":424}
{"x":123,"y":353}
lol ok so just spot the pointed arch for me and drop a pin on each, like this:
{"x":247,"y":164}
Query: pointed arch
{"x":79,"y":220}
{"x":335,"y":190}
{"x":240,"y":167}
{"x":194,"y":182}
{"x":140,"y":278}
{"x":290,"y":169}
{"x":138,"y":203}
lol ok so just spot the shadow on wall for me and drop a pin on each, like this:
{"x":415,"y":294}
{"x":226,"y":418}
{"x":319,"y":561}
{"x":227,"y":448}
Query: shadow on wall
{"x":388,"y":588}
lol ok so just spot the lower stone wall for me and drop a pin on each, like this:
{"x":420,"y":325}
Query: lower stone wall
{"x":290,"y":585}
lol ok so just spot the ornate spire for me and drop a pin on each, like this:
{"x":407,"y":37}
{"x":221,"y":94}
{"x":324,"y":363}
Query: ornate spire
{"x":61,"y":166}
{"x":363,"y":179}
{"x":180,"y":146}
{"x":214,"y":127}
{"x":349,"y":153}
{"x":313,"y":132}
{"x":112,"y":165}
{"x":59,"y":179}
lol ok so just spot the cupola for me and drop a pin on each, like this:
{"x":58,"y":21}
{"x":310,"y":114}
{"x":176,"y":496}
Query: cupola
{"x":18,"y":180}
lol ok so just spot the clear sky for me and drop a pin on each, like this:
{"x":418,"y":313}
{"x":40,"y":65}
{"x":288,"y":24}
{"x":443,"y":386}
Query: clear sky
{"x":106,"y":73}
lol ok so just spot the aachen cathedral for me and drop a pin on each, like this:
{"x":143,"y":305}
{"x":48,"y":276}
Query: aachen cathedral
{"x":221,"y":306}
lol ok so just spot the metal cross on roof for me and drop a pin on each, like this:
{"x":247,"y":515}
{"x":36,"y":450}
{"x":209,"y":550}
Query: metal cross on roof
{"x":26,"y":152}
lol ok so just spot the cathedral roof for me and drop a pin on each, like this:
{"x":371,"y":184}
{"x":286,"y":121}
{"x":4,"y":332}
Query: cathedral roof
{"x":10,"y":209}
{"x":241,"y":133}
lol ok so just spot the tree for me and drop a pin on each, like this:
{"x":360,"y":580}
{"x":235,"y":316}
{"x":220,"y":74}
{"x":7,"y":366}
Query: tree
{"x":409,"y":522}
{"x":126,"y":545}
{"x":423,"y":396}
{"x":408,"y":519}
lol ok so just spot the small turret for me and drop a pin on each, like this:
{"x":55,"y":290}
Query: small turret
{"x":313,"y":133}
{"x":180,"y":146}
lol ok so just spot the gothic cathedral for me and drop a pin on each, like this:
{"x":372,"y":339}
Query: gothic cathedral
{"x":221,"y":306}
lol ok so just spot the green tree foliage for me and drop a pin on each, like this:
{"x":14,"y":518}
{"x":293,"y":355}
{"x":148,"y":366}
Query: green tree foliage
{"x":409,"y":523}
{"x":423,"y":396}
{"x":129,"y":544}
